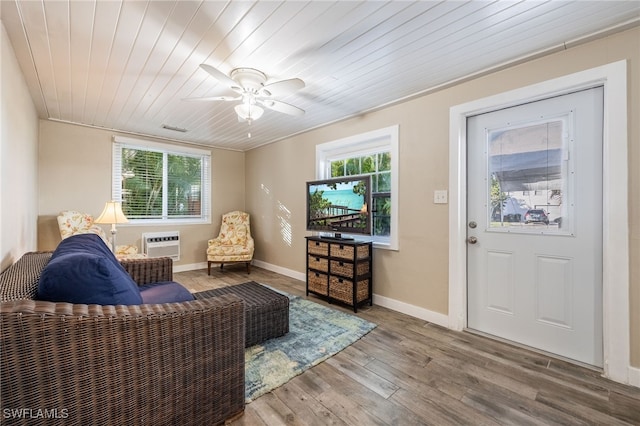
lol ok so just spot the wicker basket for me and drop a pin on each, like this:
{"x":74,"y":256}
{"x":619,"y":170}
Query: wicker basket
{"x":317,"y":282}
{"x":346,"y":268}
{"x":317,"y":247}
{"x":346,"y":251}
{"x":319,"y":263}
{"x":342,"y":289}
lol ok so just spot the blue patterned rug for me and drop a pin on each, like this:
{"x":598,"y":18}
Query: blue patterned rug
{"x":315,"y":334}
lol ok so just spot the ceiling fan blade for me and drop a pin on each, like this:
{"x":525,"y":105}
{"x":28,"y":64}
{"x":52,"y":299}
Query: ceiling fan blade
{"x":221,"y":77}
{"x":283,"y":87}
{"x":214,"y":98}
{"x":282,"y":107}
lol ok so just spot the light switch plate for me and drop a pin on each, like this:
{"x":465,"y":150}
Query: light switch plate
{"x":440,"y":196}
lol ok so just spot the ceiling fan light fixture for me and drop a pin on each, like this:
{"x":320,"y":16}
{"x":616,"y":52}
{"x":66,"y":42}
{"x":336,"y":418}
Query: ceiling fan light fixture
{"x":251,"y":86}
{"x":249,"y":112}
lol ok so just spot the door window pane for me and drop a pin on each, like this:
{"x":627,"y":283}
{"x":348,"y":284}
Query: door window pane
{"x":528,"y":171}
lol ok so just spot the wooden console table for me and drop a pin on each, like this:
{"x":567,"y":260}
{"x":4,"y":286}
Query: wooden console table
{"x":340,"y":270}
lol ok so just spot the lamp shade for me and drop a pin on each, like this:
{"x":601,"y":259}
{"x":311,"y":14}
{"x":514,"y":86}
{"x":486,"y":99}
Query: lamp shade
{"x":112,"y":213}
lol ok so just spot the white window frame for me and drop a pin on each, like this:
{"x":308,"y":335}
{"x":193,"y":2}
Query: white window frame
{"x":385,"y":139}
{"x":120,"y":142}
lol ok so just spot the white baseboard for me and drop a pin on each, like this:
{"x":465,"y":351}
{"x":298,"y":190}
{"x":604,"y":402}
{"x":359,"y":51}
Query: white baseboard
{"x":412,"y":310}
{"x":260,"y":264}
{"x":395,"y":305}
{"x":634,"y":376}
{"x":190,"y":267}
{"x":280,"y":270}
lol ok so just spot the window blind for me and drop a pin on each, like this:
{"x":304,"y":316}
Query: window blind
{"x":161,"y":182}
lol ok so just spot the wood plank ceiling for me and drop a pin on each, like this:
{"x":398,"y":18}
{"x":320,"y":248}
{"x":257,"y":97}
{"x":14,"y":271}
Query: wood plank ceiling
{"x":127,"y":65}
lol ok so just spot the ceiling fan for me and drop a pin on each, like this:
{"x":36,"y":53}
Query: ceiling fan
{"x":250,"y":85}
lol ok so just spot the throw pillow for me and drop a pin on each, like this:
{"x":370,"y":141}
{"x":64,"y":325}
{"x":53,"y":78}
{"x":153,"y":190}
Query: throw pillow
{"x":83,"y":270}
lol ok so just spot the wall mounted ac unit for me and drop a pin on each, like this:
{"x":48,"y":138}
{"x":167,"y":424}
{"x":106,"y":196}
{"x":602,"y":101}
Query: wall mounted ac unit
{"x":162,"y":244}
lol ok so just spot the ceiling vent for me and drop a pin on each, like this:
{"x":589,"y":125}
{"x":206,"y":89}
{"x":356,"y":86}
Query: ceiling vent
{"x":174,"y":128}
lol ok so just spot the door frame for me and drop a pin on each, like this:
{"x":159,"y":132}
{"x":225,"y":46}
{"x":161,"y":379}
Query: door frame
{"x":615,"y":221}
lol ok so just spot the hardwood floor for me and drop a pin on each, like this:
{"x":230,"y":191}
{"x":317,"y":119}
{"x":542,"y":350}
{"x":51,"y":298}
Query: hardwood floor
{"x":411,"y":372}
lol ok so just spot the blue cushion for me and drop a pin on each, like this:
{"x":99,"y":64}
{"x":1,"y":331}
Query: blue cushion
{"x":165,"y":292}
{"x":85,"y":243}
{"x":82,"y":269}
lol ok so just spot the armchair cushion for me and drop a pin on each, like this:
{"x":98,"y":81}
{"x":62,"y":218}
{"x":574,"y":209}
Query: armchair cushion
{"x":230,"y":252}
{"x":83,"y":270}
{"x":129,"y":250}
{"x":165,"y":292}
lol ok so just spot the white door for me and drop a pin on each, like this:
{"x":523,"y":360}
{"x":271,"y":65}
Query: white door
{"x":534,"y":210}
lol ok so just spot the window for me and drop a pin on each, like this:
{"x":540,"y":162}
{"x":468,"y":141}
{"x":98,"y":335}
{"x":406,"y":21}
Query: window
{"x":532,"y":159}
{"x":161,"y":183}
{"x":376,"y":154}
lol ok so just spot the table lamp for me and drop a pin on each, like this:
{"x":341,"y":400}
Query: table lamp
{"x":112,"y":214}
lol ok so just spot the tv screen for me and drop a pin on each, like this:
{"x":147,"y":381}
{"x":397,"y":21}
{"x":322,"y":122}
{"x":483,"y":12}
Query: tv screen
{"x":340,"y":205}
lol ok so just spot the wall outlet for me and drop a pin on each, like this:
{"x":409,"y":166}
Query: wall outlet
{"x":440,"y":196}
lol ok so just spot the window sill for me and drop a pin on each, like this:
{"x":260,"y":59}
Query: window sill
{"x":155,"y":222}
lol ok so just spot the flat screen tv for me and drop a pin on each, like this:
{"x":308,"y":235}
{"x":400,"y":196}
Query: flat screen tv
{"x":340,"y":205}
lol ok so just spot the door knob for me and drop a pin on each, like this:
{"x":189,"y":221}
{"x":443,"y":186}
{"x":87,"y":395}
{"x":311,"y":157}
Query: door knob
{"x":472,"y":240}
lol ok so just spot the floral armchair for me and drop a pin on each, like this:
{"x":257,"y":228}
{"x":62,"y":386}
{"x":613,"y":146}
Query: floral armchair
{"x":71,"y":222}
{"x":234,"y":243}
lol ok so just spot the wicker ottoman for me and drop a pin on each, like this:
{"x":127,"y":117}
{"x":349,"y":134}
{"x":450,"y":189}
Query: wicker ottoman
{"x":266,"y":311}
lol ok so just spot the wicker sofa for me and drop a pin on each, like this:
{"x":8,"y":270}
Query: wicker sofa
{"x":161,"y":364}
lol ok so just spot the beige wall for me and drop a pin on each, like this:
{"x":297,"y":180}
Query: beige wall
{"x":75,"y":174}
{"x":18,"y":160}
{"x":417,"y":273}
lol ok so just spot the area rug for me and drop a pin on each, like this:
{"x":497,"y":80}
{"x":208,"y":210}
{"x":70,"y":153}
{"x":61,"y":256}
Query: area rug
{"x":315,"y":334}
